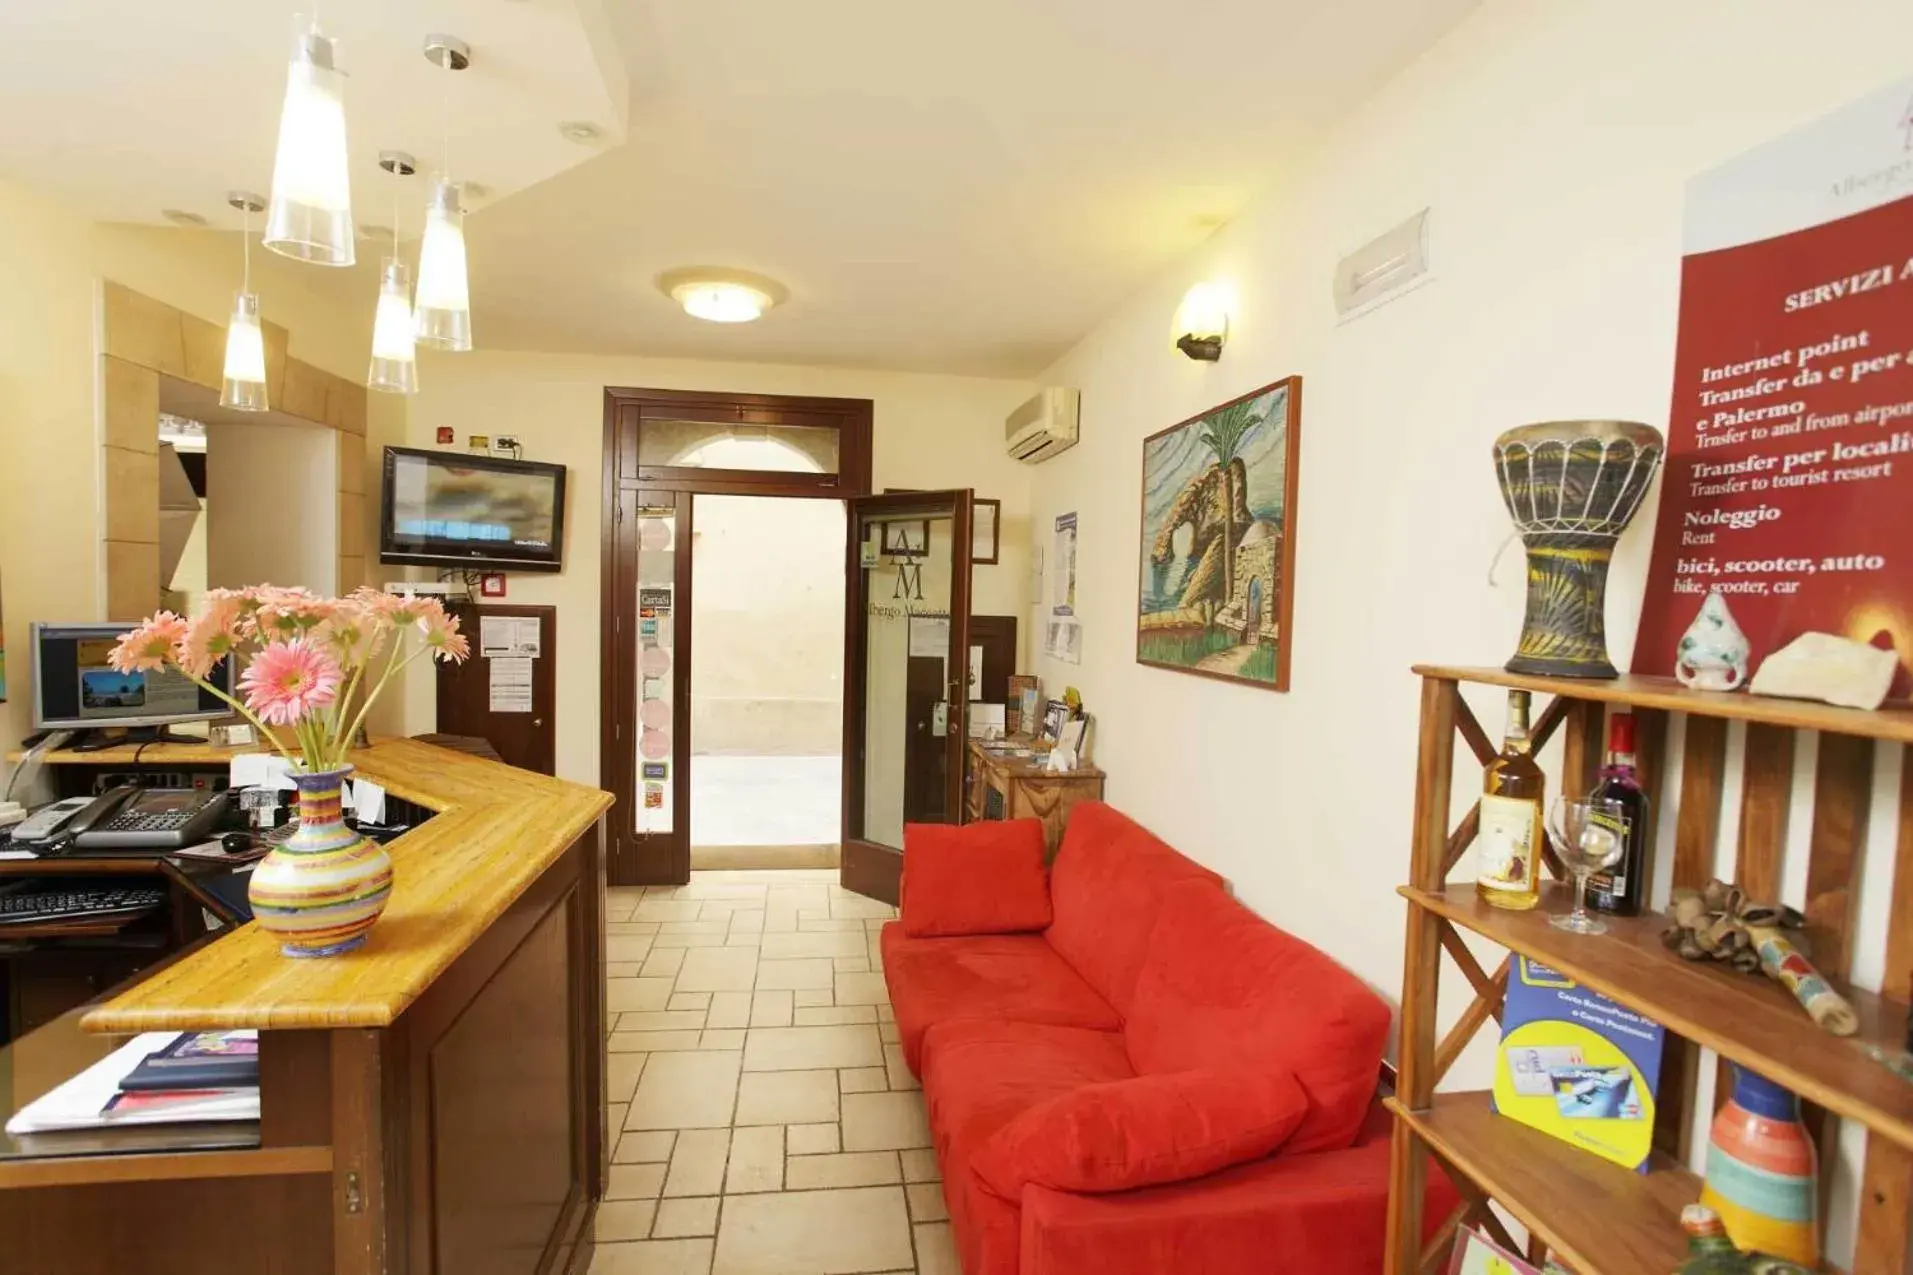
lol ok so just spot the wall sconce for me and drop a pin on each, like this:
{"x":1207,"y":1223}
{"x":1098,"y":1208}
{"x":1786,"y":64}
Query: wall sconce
{"x":1202,"y":321}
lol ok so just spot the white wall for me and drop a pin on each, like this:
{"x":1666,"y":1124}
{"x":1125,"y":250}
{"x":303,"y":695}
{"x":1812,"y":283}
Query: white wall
{"x":272,"y":506}
{"x":930,"y":431}
{"x":1552,"y":142}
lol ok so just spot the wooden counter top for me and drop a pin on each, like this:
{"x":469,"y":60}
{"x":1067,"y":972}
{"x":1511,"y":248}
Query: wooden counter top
{"x":497,"y":829}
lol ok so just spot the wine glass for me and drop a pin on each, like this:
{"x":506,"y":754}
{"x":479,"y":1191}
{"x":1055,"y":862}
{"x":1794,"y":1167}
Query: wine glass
{"x":1587,"y":834}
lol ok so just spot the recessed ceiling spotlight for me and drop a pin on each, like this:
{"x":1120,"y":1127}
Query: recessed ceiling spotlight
{"x":722,"y":296}
{"x":180,"y":217}
{"x":582,"y":132}
{"x":475,"y":190}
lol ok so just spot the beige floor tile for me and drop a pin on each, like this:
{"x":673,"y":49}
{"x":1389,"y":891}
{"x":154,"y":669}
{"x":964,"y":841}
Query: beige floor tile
{"x":771,"y":1008}
{"x":920,"y":1166}
{"x":812,"y":997}
{"x":833,"y":1015}
{"x":867,"y":1168}
{"x":825,"y":925}
{"x":663,"y":963}
{"x":757,"y":1160}
{"x":703,"y":925}
{"x":748,"y":921}
{"x":862,"y":1080}
{"x":721,"y":885}
{"x":692,"y":1090}
{"x":648,"y":1146}
{"x":875,"y":924}
{"x":687,"y":940}
{"x":697,"y":1164}
{"x":810,"y":896}
{"x":897,"y":1069}
{"x":729,"y":1009}
{"x":718,"y":969}
{"x":885,"y":1014}
{"x":884,"y":1122}
{"x":889,"y":1033}
{"x":661,"y":1020}
{"x":784,"y":947}
{"x":780,"y":921}
{"x":721,"y":909}
{"x":624,"y":1220}
{"x":637,"y":995}
{"x":936,"y":1250}
{"x":811,"y":1139}
{"x":654,"y":1257}
{"x":614,"y":1116}
{"x":926,"y":1202}
{"x":811,"y":1048}
{"x":688,"y":1001}
{"x":666,"y":910}
{"x":679,"y":1218}
{"x":814,"y":972}
{"x":844,"y":906}
{"x":730,"y":1038}
{"x":634,"y":1182}
{"x":787,"y":1097}
{"x":861,"y":989}
{"x":814,"y":1233}
{"x":642,"y":929}
{"x":621,"y":1076}
{"x":651,"y":1042}
{"x":622,"y":969}
{"x":626,"y":947}
{"x":850,"y":965}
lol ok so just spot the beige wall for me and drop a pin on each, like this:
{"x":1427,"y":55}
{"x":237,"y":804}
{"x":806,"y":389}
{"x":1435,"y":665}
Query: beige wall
{"x":929,"y":431}
{"x":1552,"y":142}
{"x":272,"y":506}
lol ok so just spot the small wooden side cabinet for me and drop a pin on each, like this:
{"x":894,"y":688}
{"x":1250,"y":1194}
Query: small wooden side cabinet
{"x":1002,"y":787}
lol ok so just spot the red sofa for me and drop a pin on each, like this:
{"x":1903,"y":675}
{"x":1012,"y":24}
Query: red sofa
{"x":1129,"y":1073}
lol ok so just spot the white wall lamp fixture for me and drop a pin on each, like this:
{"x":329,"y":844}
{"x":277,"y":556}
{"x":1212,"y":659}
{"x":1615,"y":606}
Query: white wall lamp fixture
{"x":243,"y":385}
{"x":443,"y":315}
{"x":310,"y":217}
{"x":394,"y":367}
{"x":1202,"y":321}
{"x":722,"y":296}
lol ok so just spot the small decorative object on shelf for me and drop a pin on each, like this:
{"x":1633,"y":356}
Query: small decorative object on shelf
{"x":308,"y":682}
{"x":1713,"y":653}
{"x":1476,"y":1254}
{"x":1833,"y":669}
{"x":1761,"y":1172}
{"x":1719,"y":923}
{"x":1572,"y":487}
{"x":1512,"y":792}
{"x":1710,"y":1252}
{"x":1621,"y":889}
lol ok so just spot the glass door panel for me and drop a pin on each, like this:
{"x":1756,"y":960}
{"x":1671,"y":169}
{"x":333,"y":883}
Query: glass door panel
{"x":654,"y":813}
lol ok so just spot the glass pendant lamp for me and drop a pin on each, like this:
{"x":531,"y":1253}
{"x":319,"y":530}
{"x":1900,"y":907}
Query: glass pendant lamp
{"x":243,"y":387}
{"x":310,"y":217}
{"x":443,"y":315}
{"x":394,"y":368}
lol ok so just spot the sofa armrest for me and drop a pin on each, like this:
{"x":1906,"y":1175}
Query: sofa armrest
{"x":980,"y":878}
{"x":1325,"y":1213}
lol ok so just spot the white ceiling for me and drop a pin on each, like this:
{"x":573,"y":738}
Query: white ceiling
{"x":961,"y":187}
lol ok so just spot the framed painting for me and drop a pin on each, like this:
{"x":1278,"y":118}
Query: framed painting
{"x":1217,"y":584}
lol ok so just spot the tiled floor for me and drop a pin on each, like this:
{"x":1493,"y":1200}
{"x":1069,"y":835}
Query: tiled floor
{"x":768,"y":1124}
{"x":765,"y":801}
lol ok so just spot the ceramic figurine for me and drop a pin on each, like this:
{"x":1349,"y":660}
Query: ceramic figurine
{"x":1710,"y":1252}
{"x":1712,"y":655}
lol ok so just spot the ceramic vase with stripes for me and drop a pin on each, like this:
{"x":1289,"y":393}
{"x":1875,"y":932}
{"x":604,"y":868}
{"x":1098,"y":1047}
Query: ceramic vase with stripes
{"x":326,"y":885}
{"x":1761,"y":1172}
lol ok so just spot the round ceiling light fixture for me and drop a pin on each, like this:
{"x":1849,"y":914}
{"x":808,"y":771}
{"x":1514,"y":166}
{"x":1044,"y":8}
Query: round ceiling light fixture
{"x":722,"y":296}
{"x":583,"y":132}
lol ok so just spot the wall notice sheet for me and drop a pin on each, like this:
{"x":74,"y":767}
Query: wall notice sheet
{"x":510,"y":683}
{"x":510,"y":635}
{"x":1789,"y":477}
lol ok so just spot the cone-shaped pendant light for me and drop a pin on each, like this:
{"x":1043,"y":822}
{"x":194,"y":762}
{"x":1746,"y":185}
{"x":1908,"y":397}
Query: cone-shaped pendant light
{"x":394,"y":368}
{"x":310,"y":217}
{"x":444,"y":310}
{"x":243,"y":387}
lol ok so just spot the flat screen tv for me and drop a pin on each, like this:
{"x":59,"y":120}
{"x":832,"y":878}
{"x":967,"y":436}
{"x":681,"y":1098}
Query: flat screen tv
{"x":480,"y":513}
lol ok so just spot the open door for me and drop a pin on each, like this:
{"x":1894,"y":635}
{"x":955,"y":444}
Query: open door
{"x":906,"y":674}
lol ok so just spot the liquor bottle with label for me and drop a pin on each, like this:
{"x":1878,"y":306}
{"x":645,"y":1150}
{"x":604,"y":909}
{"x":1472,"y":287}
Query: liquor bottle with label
{"x":1622,"y":889}
{"x":1513,"y":795}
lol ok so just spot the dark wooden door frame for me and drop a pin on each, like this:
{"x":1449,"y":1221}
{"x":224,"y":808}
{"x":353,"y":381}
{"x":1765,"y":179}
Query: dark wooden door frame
{"x":868,"y":867}
{"x":627,"y":485}
{"x":470,"y":683}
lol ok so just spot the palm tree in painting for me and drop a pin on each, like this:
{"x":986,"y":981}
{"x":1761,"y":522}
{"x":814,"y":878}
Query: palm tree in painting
{"x":1227,"y":428}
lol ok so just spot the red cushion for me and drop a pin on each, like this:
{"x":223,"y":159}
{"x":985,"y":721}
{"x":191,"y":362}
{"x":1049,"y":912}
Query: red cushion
{"x":1011,"y":977}
{"x":1108,"y":879}
{"x":1224,"y":988}
{"x":1125,"y":1134}
{"x":982,"y":878}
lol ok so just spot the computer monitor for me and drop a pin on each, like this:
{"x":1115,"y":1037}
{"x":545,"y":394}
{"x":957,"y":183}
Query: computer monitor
{"x":74,"y":688}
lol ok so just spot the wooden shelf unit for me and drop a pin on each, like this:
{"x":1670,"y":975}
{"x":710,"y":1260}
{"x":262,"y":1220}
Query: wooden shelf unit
{"x":1594,"y":1216}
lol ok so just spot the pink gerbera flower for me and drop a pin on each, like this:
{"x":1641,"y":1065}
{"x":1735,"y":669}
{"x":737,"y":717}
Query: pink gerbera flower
{"x":290,"y":680}
{"x":441,"y":633}
{"x":212,"y":635}
{"x":150,"y":645}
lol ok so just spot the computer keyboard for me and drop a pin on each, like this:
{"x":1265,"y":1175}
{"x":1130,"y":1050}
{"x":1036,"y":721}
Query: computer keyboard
{"x":30,"y":906}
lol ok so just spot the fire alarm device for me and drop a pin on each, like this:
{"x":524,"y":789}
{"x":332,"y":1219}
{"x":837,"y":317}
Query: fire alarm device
{"x":492,"y":584}
{"x":478,"y":443}
{"x":446,"y":436}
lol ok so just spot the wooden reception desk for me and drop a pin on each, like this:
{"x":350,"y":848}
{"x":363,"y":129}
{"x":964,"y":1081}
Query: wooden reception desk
{"x":432,"y":1103}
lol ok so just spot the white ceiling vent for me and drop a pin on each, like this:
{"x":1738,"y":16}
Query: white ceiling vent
{"x":1382,"y":269}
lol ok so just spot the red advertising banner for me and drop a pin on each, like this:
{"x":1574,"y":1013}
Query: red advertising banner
{"x":1788,"y":483}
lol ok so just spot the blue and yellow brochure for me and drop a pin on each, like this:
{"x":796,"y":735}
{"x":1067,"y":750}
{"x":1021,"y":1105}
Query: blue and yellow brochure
{"x":1575,"y":1065}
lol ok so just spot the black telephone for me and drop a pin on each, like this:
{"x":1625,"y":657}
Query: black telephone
{"x":125,"y":819}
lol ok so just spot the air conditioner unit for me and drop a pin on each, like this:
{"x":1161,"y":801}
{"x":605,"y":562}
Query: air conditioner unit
{"x":1043,"y":426}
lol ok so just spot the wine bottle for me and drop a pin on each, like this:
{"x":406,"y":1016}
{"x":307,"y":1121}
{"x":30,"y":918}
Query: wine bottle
{"x":1622,"y":888}
{"x":1512,"y":797}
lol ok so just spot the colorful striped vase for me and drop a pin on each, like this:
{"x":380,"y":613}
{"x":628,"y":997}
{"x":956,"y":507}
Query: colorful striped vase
{"x":326,"y":886}
{"x":1761,"y":1172}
